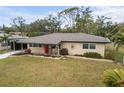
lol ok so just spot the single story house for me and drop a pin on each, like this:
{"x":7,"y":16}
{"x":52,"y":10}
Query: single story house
{"x":75,"y":43}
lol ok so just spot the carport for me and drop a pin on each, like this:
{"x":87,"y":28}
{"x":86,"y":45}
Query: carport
{"x":14,"y":45}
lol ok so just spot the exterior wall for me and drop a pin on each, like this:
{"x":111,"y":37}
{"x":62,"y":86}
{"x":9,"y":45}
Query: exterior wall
{"x":78,"y":48}
{"x":41,"y":50}
{"x":37,"y":50}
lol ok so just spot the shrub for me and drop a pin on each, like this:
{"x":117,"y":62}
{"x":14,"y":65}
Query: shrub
{"x":78,"y":55}
{"x":117,"y":56}
{"x":92,"y":55}
{"x":28,"y":51}
{"x":114,"y":77}
{"x":110,"y":54}
{"x":63,"y":51}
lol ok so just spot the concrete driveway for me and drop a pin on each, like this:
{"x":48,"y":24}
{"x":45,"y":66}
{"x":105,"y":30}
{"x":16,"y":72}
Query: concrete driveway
{"x":9,"y":54}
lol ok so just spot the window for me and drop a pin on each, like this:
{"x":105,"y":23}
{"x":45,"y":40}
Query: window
{"x":53,"y":46}
{"x":92,"y":46}
{"x":35,"y":45}
{"x":85,"y":46}
{"x":40,"y":45}
{"x":30,"y":45}
{"x":89,"y":46}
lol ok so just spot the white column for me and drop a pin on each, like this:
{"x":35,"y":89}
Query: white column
{"x":13,"y":45}
{"x":49,"y":48}
{"x":21,"y":46}
{"x":58,"y":50}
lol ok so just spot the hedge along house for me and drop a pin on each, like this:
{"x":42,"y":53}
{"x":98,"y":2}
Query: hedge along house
{"x":75,"y":43}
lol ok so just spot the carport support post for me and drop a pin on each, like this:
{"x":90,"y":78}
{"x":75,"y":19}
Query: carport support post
{"x":58,"y":50}
{"x":21,"y":46}
{"x":13,"y":45}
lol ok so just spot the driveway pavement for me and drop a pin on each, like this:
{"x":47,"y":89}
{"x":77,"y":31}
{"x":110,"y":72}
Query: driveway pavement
{"x":9,"y":54}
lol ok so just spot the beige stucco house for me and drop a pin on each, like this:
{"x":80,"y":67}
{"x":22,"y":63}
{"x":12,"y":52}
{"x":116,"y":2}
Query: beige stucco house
{"x":75,"y":43}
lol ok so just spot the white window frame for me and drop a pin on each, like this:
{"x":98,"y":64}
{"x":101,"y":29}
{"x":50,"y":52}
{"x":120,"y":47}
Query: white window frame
{"x":33,"y":45}
{"x":83,"y":46}
{"x":89,"y":45}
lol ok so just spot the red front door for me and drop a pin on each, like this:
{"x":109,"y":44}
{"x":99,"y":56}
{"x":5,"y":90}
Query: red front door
{"x":46,"y":49}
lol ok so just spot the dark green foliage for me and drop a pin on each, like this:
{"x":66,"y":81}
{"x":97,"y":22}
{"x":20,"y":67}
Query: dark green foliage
{"x":118,"y":40}
{"x":5,"y":39}
{"x":115,"y":55}
{"x":119,"y":57}
{"x":113,"y":77}
{"x":110,"y":54}
{"x":32,"y":34}
{"x":63,"y":51}
{"x":92,"y":55}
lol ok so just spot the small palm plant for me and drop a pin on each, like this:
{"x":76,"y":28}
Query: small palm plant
{"x":5,"y":39}
{"x":113,"y":77}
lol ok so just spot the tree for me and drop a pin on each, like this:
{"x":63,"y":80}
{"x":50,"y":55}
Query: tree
{"x":85,"y":20}
{"x":49,"y":24}
{"x":69,"y":17}
{"x":74,"y":19}
{"x":5,"y":39}
{"x":53,"y":23}
{"x":102,"y":26}
{"x":112,"y":30}
{"x":118,"y":40}
{"x":18,"y":24}
{"x":3,"y":27}
{"x":8,"y":30}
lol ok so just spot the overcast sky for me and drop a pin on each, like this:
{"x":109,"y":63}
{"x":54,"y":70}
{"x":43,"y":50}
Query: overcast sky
{"x":30,"y":14}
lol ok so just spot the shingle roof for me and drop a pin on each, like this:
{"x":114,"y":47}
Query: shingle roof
{"x":56,"y":38}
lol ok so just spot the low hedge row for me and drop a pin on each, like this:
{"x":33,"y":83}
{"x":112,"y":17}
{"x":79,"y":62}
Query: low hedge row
{"x":92,"y":55}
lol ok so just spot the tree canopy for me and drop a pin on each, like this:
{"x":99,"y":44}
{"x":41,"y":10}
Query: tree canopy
{"x":74,"y":19}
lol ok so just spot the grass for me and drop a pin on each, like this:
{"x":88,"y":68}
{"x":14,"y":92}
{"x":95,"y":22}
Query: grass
{"x":35,"y":71}
{"x":4,"y":51}
{"x":121,"y":49}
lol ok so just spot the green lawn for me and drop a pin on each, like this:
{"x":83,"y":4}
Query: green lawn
{"x":121,"y":49}
{"x":4,"y":51}
{"x":35,"y":71}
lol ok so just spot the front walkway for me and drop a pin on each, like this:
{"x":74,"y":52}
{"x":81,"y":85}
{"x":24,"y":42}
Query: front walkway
{"x":9,"y":54}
